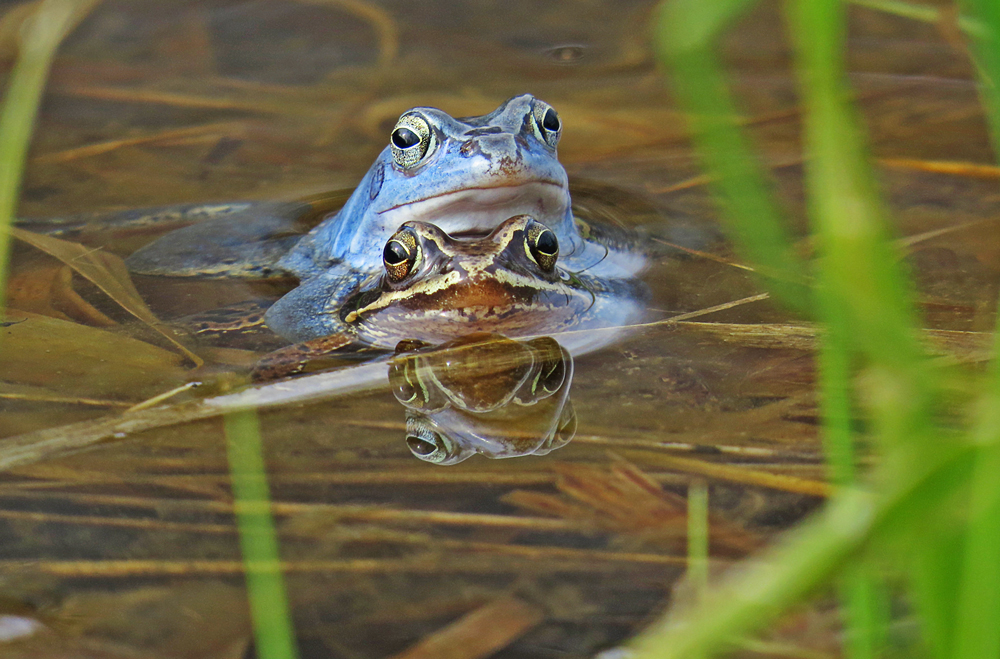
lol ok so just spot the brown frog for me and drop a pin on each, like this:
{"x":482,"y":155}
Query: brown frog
{"x":435,"y":287}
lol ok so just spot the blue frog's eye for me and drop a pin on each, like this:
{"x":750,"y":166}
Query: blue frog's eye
{"x":411,"y":141}
{"x":547,"y":123}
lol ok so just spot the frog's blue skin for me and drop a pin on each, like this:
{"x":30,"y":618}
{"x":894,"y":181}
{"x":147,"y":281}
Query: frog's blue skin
{"x":482,"y":171}
{"x":477,"y":172}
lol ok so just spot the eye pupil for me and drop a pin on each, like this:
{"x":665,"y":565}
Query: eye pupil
{"x":394,"y":253}
{"x":404,"y":138}
{"x":551,"y":120}
{"x":420,"y":446}
{"x":547,"y":243}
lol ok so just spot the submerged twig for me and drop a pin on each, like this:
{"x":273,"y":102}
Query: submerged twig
{"x":479,"y":633}
{"x":99,"y":148}
{"x":52,"y":442}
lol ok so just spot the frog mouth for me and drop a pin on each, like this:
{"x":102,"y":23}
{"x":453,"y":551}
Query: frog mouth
{"x":477,"y":211}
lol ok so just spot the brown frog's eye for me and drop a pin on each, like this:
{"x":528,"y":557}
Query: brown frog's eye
{"x":542,"y":246}
{"x":400,"y":255}
{"x":411,"y":141}
{"x":431,"y":446}
{"x":547,"y":123}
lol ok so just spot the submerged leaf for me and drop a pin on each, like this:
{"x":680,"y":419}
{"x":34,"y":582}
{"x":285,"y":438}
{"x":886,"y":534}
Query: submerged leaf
{"x":76,"y":360}
{"x":107,"y":272}
{"x":47,"y":289}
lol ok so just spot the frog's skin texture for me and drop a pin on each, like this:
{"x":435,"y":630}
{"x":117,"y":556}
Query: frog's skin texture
{"x":465,"y":176}
{"x":486,"y":394}
{"x":475,"y":173}
{"x":434,"y":287}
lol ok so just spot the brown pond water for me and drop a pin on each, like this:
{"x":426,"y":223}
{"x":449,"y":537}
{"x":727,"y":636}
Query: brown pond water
{"x":128,"y":549}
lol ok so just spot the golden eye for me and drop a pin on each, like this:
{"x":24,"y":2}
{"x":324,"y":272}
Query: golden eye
{"x":542,"y":246}
{"x":547,"y":123}
{"x":411,"y":141}
{"x":400,"y":255}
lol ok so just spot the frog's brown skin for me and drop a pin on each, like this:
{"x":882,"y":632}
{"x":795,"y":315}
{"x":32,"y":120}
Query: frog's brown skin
{"x":510,"y":282}
{"x":435,"y":288}
{"x":486,"y":394}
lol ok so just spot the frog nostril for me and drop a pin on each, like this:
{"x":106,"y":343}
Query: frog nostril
{"x":468,"y":148}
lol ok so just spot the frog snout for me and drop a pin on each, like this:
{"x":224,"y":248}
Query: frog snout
{"x":490,"y":146}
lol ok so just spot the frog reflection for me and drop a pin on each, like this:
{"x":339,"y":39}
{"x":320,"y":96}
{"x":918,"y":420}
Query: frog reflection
{"x":484,"y":393}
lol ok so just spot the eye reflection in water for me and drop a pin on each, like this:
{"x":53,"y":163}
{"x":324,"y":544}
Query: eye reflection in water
{"x":484,"y":393}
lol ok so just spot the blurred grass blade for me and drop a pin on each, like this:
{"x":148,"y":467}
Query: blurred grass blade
{"x":977,"y":616}
{"x":694,"y":26}
{"x":40,"y":37}
{"x":862,"y":285}
{"x":697,"y":537}
{"x":807,"y":558}
{"x":834,"y":380}
{"x":273,"y":633}
{"x":985,"y":47}
{"x":862,"y":296}
{"x":748,"y":600}
{"x":977,"y":631}
{"x":866,"y":608}
{"x":923,"y":12}
{"x":697,"y":532}
{"x":684,"y":41}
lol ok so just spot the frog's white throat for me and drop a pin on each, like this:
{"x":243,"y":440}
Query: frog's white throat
{"x":477,"y":211}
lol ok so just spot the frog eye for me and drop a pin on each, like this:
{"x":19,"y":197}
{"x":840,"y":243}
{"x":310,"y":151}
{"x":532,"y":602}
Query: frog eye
{"x":547,"y":123}
{"x":431,"y":446}
{"x":411,"y":141}
{"x":400,"y":255}
{"x":542,"y":246}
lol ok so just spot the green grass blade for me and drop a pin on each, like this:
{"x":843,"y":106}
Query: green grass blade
{"x":985,"y":47}
{"x":977,"y":615}
{"x":933,"y":572}
{"x":807,"y":558}
{"x":835,"y":372}
{"x":863,"y":287}
{"x":782,"y":577}
{"x":863,"y":297}
{"x":697,"y":540}
{"x":977,"y":630}
{"x":272,"y":626}
{"x":697,"y":534}
{"x":866,"y":609}
{"x":685,"y":29}
{"x":923,"y":12}
{"x":40,"y":38}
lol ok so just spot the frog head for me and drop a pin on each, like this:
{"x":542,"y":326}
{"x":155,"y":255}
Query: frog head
{"x":463,"y":175}
{"x":435,"y":286}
